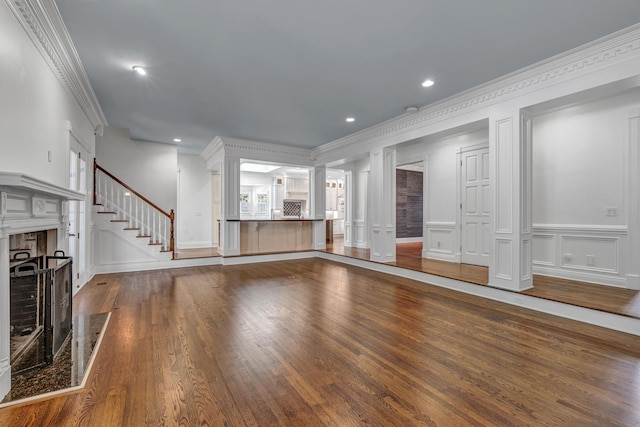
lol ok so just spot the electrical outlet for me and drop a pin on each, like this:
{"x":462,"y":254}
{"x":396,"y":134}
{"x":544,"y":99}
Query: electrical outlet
{"x":612,"y":211}
{"x":438,"y":244}
{"x":591,"y":260}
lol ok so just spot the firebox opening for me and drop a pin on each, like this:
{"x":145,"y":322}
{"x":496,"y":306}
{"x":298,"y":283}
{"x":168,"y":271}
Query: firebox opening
{"x":40,"y":298}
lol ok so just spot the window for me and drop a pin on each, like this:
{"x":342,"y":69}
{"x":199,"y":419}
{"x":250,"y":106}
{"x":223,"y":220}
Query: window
{"x":262,"y":200}
{"x":244,"y":203}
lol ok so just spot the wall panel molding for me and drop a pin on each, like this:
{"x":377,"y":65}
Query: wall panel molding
{"x":589,"y":253}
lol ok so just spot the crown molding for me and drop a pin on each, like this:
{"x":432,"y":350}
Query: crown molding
{"x":256,"y":150}
{"x":605,"y":52}
{"x":43,"y":24}
{"x":213,"y":151}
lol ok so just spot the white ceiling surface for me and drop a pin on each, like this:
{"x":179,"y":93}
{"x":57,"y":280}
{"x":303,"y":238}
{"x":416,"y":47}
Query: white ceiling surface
{"x":291,"y":71}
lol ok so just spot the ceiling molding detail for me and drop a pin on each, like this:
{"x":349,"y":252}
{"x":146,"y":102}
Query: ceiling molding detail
{"x":255,"y":150}
{"x":602,"y":53}
{"x":42,"y":22}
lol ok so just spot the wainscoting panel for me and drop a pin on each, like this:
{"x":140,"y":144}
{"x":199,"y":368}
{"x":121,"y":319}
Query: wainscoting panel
{"x":360,"y":228}
{"x":441,"y":242}
{"x":590,"y":253}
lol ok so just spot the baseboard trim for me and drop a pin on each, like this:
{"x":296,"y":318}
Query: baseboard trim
{"x":613,"y":281}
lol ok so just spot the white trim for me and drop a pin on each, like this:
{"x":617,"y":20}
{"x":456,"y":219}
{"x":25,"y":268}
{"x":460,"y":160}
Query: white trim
{"x":581,"y":275}
{"x":250,"y":259}
{"x":194,"y":245}
{"x":578,"y":228}
{"x":25,"y":182}
{"x":154,"y":265}
{"x":43,"y":24}
{"x":611,"y":50}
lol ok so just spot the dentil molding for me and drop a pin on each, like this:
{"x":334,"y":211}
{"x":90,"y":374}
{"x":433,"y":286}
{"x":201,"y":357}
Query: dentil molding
{"x":605,"y":52}
{"x":42,"y":22}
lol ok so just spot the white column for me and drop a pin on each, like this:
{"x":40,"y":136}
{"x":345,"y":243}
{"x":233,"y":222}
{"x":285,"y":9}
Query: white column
{"x":229,"y":224}
{"x":5,"y":320}
{"x":348,"y":209}
{"x":383,"y":205}
{"x":633,"y":207}
{"x":511,"y":222}
{"x":317,"y":210}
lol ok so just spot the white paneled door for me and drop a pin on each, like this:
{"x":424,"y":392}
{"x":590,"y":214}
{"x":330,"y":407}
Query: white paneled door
{"x":475,"y":202}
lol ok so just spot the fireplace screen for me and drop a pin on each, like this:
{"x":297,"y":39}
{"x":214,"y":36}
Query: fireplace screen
{"x":41,"y":304}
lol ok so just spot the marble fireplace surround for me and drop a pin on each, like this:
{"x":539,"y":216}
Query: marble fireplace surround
{"x":26,"y":205}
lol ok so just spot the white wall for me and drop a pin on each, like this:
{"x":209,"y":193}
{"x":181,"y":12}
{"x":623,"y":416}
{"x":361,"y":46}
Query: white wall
{"x":580,"y":174}
{"x":34,"y":109}
{"x":149,"y":168}
{"x":568,"y":146}
{"x":194,"y":216}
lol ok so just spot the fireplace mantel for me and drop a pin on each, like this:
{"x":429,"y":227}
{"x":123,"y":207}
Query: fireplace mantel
{"x":26,"y":204}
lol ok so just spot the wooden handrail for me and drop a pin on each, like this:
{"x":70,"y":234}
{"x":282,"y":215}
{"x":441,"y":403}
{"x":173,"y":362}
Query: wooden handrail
{"x":171,"y":215}
{"x":96,"y":166}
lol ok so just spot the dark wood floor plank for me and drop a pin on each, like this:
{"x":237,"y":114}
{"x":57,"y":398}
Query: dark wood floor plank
{"x":313,"y":342}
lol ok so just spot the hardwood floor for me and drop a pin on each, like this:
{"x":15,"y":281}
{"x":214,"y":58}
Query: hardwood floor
{"x":314,"y":342}
{"x":625,"y":302}
{"x":191,"y":253}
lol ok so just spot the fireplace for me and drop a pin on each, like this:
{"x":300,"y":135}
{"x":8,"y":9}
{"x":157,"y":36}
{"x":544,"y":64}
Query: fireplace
{"x":33,"y":220}
{"x":40,"y":299}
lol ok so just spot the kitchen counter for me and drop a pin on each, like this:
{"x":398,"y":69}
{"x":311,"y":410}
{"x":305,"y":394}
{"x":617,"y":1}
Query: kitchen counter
{"x":259,"y":236}
{"x":277,"y":220}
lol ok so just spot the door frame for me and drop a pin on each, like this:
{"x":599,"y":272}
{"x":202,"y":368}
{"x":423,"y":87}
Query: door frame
{"x":82,"y":266}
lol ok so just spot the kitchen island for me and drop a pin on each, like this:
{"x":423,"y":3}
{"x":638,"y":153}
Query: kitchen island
{"x":276,"y":235}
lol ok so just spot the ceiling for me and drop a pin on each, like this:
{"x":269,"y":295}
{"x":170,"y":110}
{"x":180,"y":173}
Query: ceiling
{"x":291,"y":71}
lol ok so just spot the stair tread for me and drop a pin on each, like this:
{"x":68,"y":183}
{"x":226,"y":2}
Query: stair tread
{"x":131,"y":228}
{"x":119,"y":220}
{"x":106,"y":212}
{"x":154,"y":243}
{"x":144,"y":235}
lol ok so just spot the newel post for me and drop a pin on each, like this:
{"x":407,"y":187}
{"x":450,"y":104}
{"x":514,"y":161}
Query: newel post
{"x":172,"y":217}
{"x":95,"y":191}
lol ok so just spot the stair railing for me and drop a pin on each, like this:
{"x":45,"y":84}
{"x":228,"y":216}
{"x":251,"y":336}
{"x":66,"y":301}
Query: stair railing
{"x":133,"y":208}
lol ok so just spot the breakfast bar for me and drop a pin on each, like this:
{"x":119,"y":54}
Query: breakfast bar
{"x":276,"y":235}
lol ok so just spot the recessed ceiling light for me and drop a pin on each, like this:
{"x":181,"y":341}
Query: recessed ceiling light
{"x":177,"y":140}
{"x":427,"y":83}
{"x":351,"y":119}
{"x":138,"y":69}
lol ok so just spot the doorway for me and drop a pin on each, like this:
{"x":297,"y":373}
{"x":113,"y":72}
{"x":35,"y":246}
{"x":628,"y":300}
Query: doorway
{"x":475,"y":200}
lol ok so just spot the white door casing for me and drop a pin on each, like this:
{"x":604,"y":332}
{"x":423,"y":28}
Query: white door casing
{"x":474,"y":205}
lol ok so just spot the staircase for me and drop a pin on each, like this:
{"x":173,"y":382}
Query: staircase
{"x":131,"y":213}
